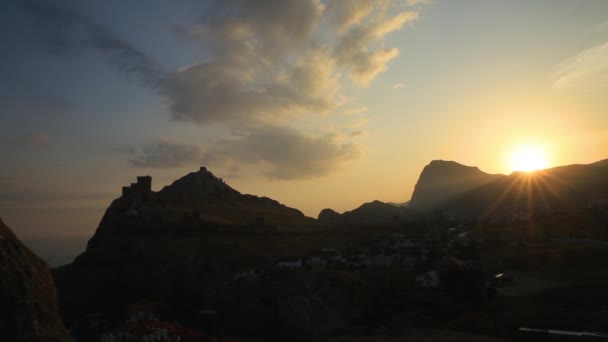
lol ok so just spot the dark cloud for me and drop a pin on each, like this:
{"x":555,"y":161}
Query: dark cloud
{"x":165,"y":154}
{"x":288,"y":153}
{"x":67,"y":31}
{"x":238,"y":95}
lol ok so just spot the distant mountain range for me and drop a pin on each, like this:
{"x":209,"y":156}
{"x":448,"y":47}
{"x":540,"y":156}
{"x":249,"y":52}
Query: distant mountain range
{"x":468,"y":192}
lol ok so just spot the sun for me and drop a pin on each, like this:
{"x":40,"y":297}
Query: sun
{"x":528,"y":158}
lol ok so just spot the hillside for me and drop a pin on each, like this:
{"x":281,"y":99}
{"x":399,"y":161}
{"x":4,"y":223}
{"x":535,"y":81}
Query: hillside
{"x":559,"y":189}
{"x":441,"y":180}
{"x":28,"y":301}
{"x":375,"y":212}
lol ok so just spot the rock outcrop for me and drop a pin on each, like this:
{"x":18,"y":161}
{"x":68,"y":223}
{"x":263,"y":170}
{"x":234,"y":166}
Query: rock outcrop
{"x":442,"y":180}
{"x":28,"y":301}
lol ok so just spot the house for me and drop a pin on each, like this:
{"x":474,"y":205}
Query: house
{"x":316,"y":261}
{"x":247,"y":275}
{"x":142,"y":311}
{"x":381,"y":261}
{"x":136,"y":332}
{"x":290,"y":263}
{"x":528,"y":334}
{"x":153,"y":331}
{"x":428,"y":279}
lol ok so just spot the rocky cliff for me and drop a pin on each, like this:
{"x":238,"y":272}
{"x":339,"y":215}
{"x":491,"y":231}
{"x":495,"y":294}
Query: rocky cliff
{"x":28,"y":301}
{"x":442,"y":180}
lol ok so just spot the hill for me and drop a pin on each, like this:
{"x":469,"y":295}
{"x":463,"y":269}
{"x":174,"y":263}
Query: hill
{"x":441,"y":180}
{"x":559,"y":189}
{"x":375,"y":212}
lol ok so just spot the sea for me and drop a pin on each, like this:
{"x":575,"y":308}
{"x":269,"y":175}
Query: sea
{"x":57,"y":251}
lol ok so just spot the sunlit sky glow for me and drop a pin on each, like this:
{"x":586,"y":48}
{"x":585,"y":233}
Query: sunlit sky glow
{"x":316,"y":103}
{"x":528,"y":158}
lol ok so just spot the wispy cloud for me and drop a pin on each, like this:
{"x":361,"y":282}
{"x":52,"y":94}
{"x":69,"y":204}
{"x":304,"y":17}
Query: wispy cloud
{"x":398,"y":86}
{"x":588,"y":70}
{"x":66,"y":31}
{"x":354,"y":111}
{"x":166,"y":154}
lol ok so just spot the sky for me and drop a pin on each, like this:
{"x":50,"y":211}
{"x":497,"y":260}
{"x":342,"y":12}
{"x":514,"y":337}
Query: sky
{"x":315,"y":103}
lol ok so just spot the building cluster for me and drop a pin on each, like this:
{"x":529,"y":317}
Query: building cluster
{"x":143,"y":324}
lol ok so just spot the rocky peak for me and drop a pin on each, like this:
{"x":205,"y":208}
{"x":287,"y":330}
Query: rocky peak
{"x":441,"y":180}
{"x":199,"y":185}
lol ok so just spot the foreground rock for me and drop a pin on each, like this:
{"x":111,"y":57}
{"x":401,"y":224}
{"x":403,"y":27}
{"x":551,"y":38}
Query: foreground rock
{"x":28,"y":302}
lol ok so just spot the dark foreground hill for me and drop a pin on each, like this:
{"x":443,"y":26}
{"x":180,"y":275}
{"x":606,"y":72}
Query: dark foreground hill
{"x":184,"y":245}
{"x":28,"y":301}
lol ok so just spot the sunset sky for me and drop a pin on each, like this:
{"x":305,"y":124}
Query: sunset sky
{"x":315,"y":103}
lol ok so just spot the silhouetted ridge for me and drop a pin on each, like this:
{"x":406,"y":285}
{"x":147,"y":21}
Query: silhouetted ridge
{"x":441,"y":180}
{"x":550,"y":191}
{"x":375,"y":212}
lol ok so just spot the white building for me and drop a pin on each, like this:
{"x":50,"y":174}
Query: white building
{"x":290,"y":263}
{"x":428,"y":279}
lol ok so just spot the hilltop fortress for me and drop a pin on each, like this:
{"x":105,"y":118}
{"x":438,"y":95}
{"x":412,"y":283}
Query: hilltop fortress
{"x":142,"y":187}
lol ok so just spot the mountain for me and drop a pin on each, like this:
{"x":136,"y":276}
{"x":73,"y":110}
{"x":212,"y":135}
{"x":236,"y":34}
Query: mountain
{"x":441,"y":180}
{"x":554,"y":190}
{"x":375,"y":212}
{"x":186,"y":239}
{"x":28,"y":301}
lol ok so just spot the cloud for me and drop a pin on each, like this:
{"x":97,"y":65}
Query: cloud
{"x":398,"y":86}
{"x":264,"y":65}
{"x":588,"y":69}
{"x":347,"y":13}
{"x":165,"y":154}
{"x":269,"y":61}
{"x":354,"y":111}
{"x":124,"y":149}
{"x":359,"y":122}
{"x":352,"y":49}
{"x":223,"y":92}
{"x":413,"y":3}
{"x":68,"y":32}
{"x":356,"y":134}
{"x":33,"y":140}
{"x":288,"y":153}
